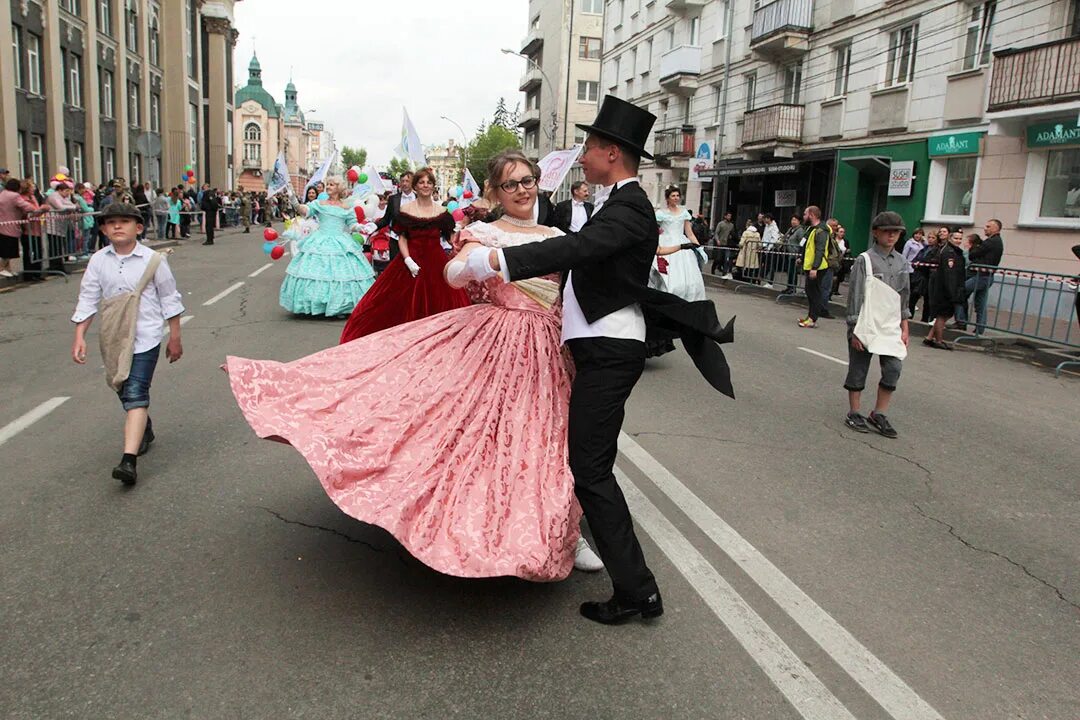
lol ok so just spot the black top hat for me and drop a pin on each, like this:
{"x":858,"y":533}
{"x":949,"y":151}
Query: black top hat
{"x":623,"y":123}
{"x":120,"y":209}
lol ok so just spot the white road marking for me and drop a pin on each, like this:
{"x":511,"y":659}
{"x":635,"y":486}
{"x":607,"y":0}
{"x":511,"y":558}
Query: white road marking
{"x":823,"y":355}
{"x":264,"y":267}
{"x":223,"y":293}
{"x":806,"y":693}
{"x":16,"y":426}
{"x":872,"y":674}
{"x":183,"y":321}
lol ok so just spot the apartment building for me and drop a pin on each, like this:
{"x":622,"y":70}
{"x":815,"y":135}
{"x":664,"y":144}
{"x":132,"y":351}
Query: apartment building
{"x":561,"y":78}
{"x":946,"y":112}
{"x":118,"y":88}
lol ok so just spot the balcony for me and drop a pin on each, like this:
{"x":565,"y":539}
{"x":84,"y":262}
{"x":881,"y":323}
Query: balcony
{"x":773,"y":127}
{"x":781,"y":30}
{"x":531,"y":79}
{"x":673,"y":143}
{"x":251,"y":164}
{"x":681,"y":6}
{"x":680,"y":68}
{"x":1045,"y":74}
{"x":532,"y":42}
{"x":529,"y":118}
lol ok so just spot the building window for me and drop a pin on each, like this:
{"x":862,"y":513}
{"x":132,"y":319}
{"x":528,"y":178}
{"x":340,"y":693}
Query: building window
{"x":106,"y":93}
{"x":155,"y":113}
{"x":903,"y":43}
{"x":842,"y":57}
{"x":75,"y":80}
{"x":695,"y":30}
{"x":105,"y":17}
{"x":793,"y":84}
{"x":136,"y":167}
{"x":64,"y":74}
{"x":132,"y":28}
{"x":22,"y":154}
{"x":959,"y":186}
{"x":16,"y":52}
{"x":979,"y":29}
{"x":108,"y":163}
{"x":718,"y":93}
{"x":133,"y":104}
{"x":671,"y":38}
{"x":721,"y":20}
{"x":76,"y":161}
{"x":751,"y":91}
{"x":189,"y":39}
{"x":592,"y":7}
{"x":588,"y":90}
{"x":72,"y":6}
{"x":589,"y":48}
{"x":37,"y":160}
{"x":579,"y":136}
{"x":193,"y":132}
{"x":648,"y":58}
{"x":33,"y":63}
{"x":534,"y":24}
{"x":618,"y":73}
{"x":1061,"y":189}
{"x":153,"y":41}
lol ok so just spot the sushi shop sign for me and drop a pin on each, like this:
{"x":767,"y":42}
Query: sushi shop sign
{"x":901,"y":178}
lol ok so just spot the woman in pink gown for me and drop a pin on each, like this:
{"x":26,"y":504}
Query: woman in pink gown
{"x":449,"y":431}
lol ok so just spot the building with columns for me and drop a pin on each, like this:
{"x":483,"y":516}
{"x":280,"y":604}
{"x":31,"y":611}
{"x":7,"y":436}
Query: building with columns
{"x":445,"y":162}
{"x":118,"y":88}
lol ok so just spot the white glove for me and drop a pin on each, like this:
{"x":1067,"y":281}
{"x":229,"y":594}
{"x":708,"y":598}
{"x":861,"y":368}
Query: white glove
{"x":477,"y":266}
{"x":369,"y":228}
{"x":356,"y":228}
{"x":454,"y":271}
{"x":413,"y":267}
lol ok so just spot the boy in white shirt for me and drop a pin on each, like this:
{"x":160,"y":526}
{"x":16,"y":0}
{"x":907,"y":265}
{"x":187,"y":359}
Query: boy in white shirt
{"x":116,"y":270}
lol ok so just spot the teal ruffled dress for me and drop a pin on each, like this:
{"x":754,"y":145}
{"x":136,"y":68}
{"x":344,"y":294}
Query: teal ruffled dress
{"x":329,"y":273}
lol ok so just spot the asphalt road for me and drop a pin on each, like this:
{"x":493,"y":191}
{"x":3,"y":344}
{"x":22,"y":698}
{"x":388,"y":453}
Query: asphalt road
{"x":807,"y":572}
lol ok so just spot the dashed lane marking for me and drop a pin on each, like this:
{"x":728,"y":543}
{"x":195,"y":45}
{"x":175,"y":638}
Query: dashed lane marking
{"x":223,"y":293}
{"x":17,"y":425}
{"x":838,"y":361}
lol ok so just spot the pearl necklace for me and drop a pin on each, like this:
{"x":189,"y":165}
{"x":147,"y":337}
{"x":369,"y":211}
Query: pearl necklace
{"x":517,"y":222}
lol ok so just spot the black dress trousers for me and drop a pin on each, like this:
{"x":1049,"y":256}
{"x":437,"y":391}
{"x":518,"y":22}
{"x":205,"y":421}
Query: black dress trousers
{"x":607,"y":370}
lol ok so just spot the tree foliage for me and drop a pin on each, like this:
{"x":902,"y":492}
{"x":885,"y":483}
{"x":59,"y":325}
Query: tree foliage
{"x":353,"y":156}
{"x":488,"y":144}
{"x":502,"y":115}
{"x":398,"y":166}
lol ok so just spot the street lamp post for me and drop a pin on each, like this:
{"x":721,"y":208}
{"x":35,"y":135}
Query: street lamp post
{"x":464,"y":145}
{"x":551,"y":89}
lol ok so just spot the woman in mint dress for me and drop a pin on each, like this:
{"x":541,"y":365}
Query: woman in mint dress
{"x":329,"y":273}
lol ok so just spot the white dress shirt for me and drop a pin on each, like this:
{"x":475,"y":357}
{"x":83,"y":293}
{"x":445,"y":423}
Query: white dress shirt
{"x":578,"y":216}
{"x":627,"y":323}
{"x":109,"y":274}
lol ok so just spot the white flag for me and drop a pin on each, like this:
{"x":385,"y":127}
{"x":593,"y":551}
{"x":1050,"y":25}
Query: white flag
{"x":555,"y":166}
{"x":321,"y":173}
{"x":279,"y":177}
{"x":469,"y":184}
{"x":375,"y":183}
{"x":410,"y":146}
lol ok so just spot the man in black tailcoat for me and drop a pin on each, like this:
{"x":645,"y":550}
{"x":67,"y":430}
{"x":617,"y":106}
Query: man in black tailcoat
{"x":403,"y":196}
{"x":608,"y":313}
{"x":572,"y":214}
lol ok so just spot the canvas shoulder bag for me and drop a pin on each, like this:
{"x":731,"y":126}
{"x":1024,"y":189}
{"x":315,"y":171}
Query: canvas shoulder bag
{"x":118,"y":316}
{"x":878,"y":327}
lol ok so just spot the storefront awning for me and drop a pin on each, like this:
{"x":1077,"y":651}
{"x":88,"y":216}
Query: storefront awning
{"x":731,"y":170}
{"x":875,"y":165}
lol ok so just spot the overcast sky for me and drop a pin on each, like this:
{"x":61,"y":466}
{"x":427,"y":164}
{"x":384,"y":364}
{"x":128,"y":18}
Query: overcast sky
{"x":357,"y":62}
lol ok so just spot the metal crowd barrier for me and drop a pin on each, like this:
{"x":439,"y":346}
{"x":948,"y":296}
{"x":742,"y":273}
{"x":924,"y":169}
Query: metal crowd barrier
{"x":756,"y":264}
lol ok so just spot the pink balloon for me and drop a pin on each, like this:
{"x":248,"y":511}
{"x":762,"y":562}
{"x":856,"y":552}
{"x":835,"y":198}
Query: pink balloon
{"x":458,"y":215}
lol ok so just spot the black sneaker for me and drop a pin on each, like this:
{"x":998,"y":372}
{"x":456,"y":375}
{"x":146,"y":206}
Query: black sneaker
{"x":147,"y":438}
{"x":882,"y":425}
{"x":857,"y":422}
{"x":125,"y":472}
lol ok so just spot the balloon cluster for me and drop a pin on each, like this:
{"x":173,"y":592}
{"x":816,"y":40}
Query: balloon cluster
{"x":188,"y":176}
{"x":454,"y":206}
{"x":271,"y":246}
{"x":354,"y":175}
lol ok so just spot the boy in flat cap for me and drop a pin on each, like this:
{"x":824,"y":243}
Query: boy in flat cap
{"x":133,"y":290}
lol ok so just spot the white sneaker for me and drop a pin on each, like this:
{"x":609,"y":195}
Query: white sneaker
{"x":726,"y":276}
{"x":6,"y":273}
{"x":585,"y":559}
{"x":767,"y":286}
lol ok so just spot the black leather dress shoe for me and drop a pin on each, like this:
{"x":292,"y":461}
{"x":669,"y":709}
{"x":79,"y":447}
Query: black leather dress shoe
{"x":125,"y":472}
{"x":147,"y":438}
{"x":616,"y":611}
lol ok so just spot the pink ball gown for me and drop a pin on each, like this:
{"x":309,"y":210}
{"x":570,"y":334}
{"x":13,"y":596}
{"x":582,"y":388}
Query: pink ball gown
{"x":449,"y":431}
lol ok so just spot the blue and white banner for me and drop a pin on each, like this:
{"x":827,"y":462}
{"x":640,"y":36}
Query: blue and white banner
{"x":321,"y":173}
{"x":410,"y":146}
{"x":469,"y":184}
{"x":279,"y":177}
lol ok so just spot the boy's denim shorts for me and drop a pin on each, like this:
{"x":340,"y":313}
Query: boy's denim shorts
{"x":135,"y":392}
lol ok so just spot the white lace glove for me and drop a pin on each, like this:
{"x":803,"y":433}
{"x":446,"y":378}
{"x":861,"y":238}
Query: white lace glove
{"x":477,"y":266}
{"x":454,"y":271}
{"x":413,"y":267}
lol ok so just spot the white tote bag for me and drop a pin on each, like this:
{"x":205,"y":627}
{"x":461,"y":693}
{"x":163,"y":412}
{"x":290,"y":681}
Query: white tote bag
{"x":878,"y":327}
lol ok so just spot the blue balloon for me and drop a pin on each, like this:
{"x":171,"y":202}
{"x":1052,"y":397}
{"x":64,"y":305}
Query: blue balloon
{"x":268,"y":246}
{"x":323,"y":196}
{"x":457,"y":191}
{"x":452,"y":205}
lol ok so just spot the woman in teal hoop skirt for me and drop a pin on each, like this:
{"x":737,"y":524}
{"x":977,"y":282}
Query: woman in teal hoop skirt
{"x":328,"y":273}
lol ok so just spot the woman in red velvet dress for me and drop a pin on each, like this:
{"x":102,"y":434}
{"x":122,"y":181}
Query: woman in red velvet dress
{"x":412,"y":286}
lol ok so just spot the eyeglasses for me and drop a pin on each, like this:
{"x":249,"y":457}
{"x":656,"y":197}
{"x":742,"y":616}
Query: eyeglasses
{"x":528,"y":182}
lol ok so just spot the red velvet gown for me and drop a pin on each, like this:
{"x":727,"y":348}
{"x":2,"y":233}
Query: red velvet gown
{"x":397,"y":297}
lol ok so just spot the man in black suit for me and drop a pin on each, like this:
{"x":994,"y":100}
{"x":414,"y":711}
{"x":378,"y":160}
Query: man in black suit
{"x":608,"y":312}
{"x":572,"y":214}
{"x":403,"y":196}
